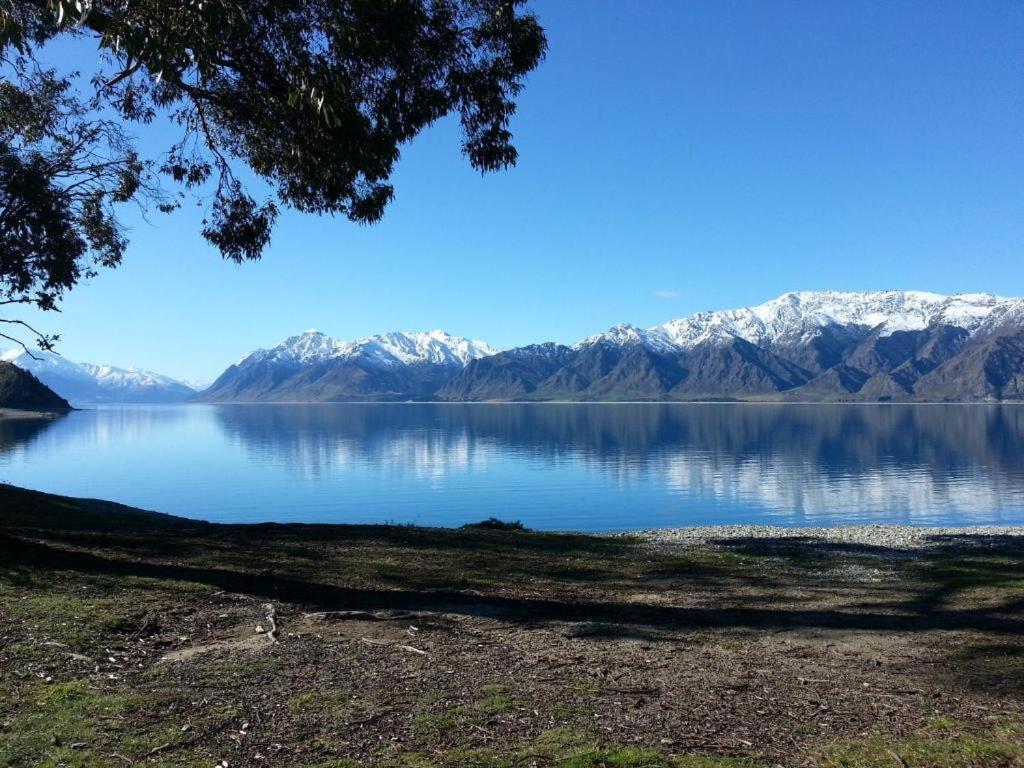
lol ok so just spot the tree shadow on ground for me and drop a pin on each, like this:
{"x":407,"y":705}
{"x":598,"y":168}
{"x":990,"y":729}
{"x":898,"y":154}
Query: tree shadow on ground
{"x":18,"y":552}
{"x":993,"y":668}
{"x":616,"y":584}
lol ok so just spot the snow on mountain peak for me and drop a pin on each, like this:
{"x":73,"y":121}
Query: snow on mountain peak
{"x":40,"y":361}
{"x":88,"y":382}
{"x":393,"y":348}
{"x":624,"y":334}
{"x":799,"y":315}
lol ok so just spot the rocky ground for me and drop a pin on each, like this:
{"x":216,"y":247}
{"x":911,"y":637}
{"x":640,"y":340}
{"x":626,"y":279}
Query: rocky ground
{"x":133,"y":639}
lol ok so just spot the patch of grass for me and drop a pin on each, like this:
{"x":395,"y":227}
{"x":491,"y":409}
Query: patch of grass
{"x":495,"y":701}
{"x":303,"y":701}
{"x":330,"y":704}
{"x":616,"y":757}
{"x":430,"y":725}
{"x":89,"y":614}
{"x":926,"y":751}
{"x":560,"y":739}
{"x":943,"y":723}
{"x":567,"y":711}
{"x":990,"y":666}
{"x":975,"y":571}
{"x":579,"y":757}
{"x":489,"y":706}
{"x":407,"y":760}
{"x":75,"y":620}
{"x":1013,"y":731}
{"x":75,"y":724}
{"x":27,"y":651}
{"x":567,"y":748}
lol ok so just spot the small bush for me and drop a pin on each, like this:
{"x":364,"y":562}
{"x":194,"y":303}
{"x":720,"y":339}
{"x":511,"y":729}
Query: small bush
{"x":494,"y":524}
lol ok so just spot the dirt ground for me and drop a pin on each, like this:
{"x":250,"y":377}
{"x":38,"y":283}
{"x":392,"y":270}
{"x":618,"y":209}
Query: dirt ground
{"x":133,"y":639}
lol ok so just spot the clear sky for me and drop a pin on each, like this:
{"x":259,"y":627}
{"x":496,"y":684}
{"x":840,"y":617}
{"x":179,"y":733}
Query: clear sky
{"x":676,"y":156}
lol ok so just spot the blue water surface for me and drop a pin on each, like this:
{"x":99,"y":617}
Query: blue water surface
{"x":590,"y":467}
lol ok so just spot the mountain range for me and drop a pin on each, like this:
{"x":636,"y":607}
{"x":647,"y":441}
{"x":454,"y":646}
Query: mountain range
{"x":813,"y":346}
{"x":315,"y":367}
{"x":830,"y":345}
{"x":90,"y":384}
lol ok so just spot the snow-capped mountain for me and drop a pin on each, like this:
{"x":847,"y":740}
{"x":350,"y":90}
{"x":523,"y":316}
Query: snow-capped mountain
{"x":800,"y":316}
{"x":315,"y":366}
{"x":624,"y":335}
{"x":87,"y":383}
{"x":883,"y":345}
{"x":827,"y":345}
{"x":387,"y":349}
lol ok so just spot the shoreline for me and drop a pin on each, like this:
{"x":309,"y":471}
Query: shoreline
{"x":877,"y":535}
{"x":858,"y":534}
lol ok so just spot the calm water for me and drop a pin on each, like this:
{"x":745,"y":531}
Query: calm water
{"x":586,"y":467}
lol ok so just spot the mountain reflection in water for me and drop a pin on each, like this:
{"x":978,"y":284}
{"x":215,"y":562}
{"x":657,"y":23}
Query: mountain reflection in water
{"x":596,"y":467}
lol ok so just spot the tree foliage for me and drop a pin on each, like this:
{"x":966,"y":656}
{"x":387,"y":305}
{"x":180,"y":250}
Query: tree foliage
{"x":317,"y":97}
{"x":62,"y":173}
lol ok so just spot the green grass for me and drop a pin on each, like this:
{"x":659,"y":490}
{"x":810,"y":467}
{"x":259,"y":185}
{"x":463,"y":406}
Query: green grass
{"x":564,"y":748}
{"x":78,"y":725}
{"x":494,"y":701}
{"x":333,"y":705}
{"x":999,"y":749}
{"x":974,"y":571}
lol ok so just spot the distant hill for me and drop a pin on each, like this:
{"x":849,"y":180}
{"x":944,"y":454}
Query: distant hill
{"x":817,"y":346}
{"x":89,"y":384}
{"x":21,"y":390}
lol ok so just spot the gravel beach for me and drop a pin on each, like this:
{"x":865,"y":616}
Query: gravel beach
{"x":888,"y":536}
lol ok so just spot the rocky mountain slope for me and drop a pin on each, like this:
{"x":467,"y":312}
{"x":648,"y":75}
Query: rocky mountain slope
{"x":21,"y":390}
{"x":315,"y":367}
{"x":89,"y":384}
{"x":830,"y":345}
{"x":888,"y":345}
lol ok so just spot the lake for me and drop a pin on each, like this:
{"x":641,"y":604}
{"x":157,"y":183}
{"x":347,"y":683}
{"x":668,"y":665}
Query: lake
{"x":591,"y":467}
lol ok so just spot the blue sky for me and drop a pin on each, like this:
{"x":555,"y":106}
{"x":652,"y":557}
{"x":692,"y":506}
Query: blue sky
{"x":676,"y":156}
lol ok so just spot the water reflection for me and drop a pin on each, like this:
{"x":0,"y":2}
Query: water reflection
{"x":317,"y":441}
{"x":594,"y":467}
{"x":810,"y":463}
{"x":15,"y":433}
